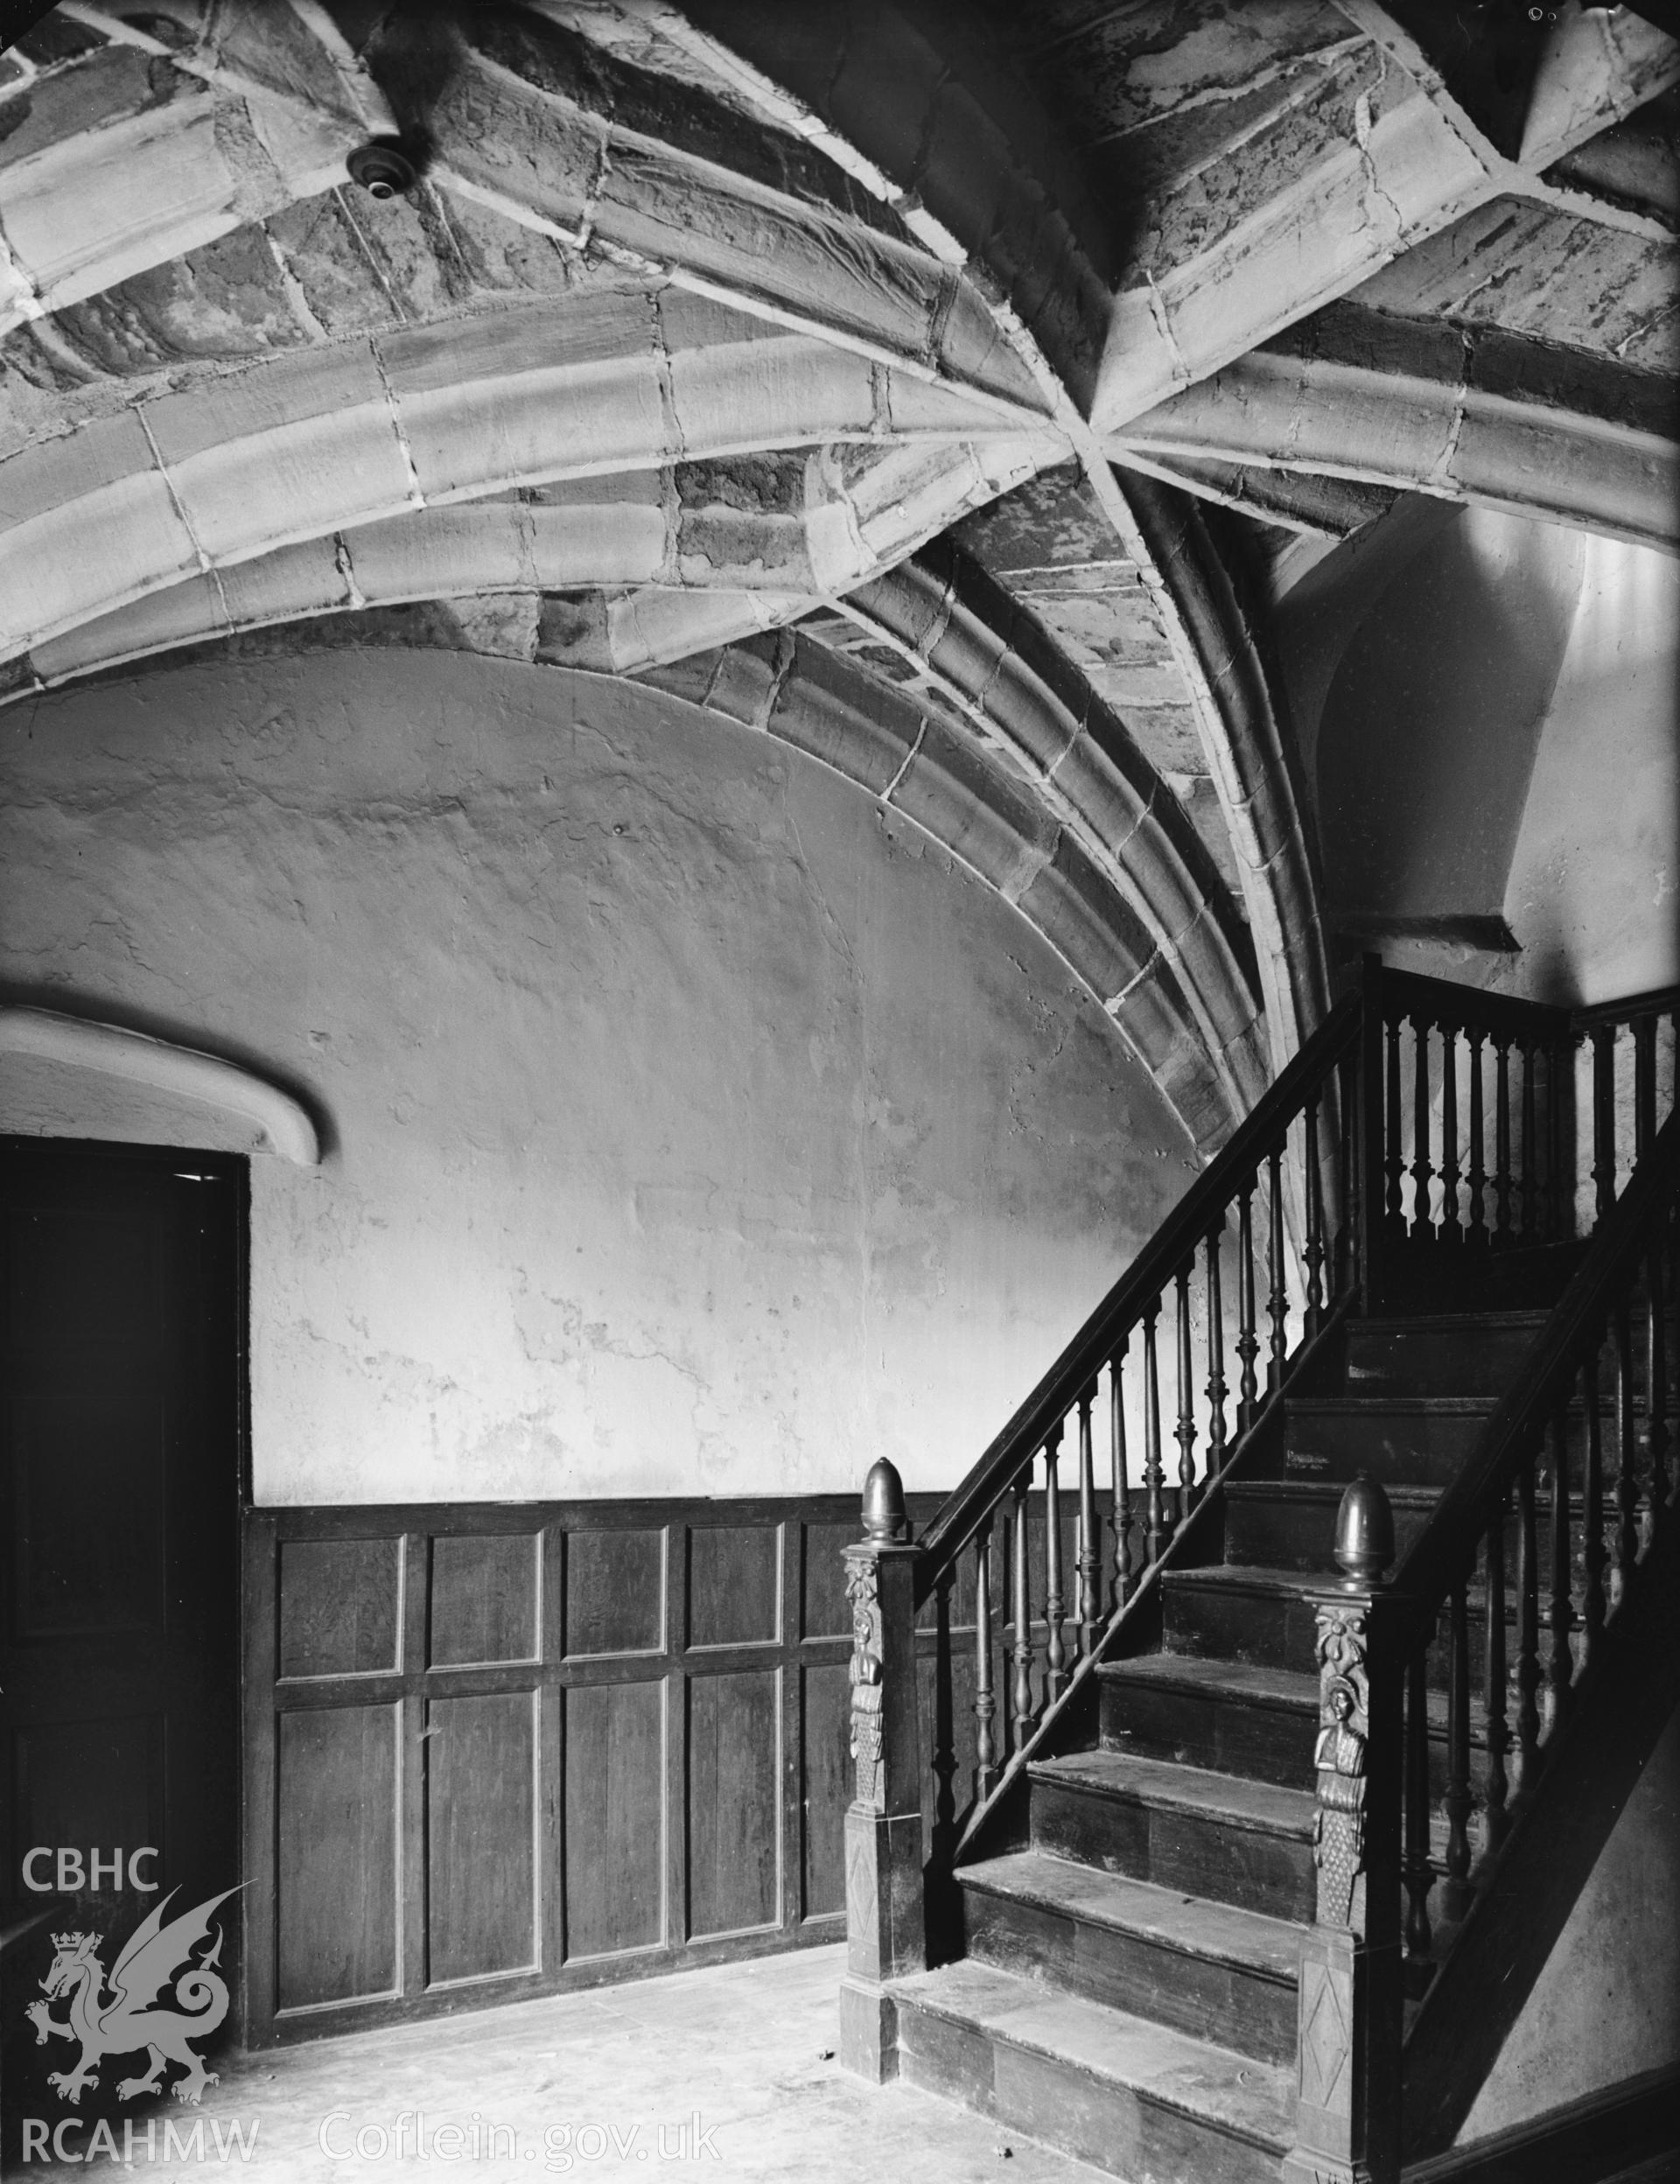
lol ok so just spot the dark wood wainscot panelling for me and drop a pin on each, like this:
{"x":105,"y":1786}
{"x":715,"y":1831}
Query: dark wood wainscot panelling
{"x":498,"y":1750}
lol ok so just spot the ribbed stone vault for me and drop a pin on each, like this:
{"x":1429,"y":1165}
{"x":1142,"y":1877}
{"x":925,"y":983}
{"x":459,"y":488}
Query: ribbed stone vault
{"x":935,"y":387}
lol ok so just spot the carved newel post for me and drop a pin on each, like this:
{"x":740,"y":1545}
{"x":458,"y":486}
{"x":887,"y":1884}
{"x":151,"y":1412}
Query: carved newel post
{"x":885,"y":1936}
{"x":1348,"y":2094}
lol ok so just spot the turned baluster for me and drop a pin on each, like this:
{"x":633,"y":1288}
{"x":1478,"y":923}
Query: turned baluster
{"x":1495,"y":1690}
{"x":1313,"y":1253}
{"x":1451,"y":1231}
{"x":1185,"y":1433}
{"x":1418,"y":1873}
{"x":1477,"y":1177}
{"x":1531,"y":1185}
{"x":1528,"y":1626}
{"x":1421,"y":1171}
{"x":1625,"y":1550}
{"x":1248,"y":1340}
{"x":1502,"y":1140}
{"x":942,"y":1759}
{"x":1455,"y":1891}
{"x":1348,"y":1176}
{"x":1278,"y":1301}
{"x":985,"y":1702}
{"x":1656,"y":1388}
{"x":1644,"y":1084}
{"x":1591,"y":1509}
{"x":1022,"y":1695}
{"x":1559,"y":1664}
{"x":1090,"y":1551}
{"x":1055,"y":1654}
{"x":1154,"y":1476}
{"x":1120,"y":1516}
{"x":1215,"y":1356}
{"x":1604,"y":1118}
{"x":1394,"y":1164}
{"x":1560,"y":1068}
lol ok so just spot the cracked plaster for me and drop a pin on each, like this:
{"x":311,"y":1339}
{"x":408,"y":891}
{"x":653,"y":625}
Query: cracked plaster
{"x":696,"y":1126}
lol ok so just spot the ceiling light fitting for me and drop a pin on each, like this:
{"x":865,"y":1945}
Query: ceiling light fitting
{"x":383,"y":169}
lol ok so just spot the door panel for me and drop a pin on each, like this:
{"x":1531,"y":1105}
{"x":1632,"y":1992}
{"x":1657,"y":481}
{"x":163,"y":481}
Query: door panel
{"x":119,"y":1456}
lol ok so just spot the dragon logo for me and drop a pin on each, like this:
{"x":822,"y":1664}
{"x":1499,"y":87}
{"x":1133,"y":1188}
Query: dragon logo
{"x":128,"y":2020}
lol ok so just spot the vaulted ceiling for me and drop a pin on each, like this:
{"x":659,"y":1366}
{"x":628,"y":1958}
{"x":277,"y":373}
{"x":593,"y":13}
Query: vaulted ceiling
{"x":952,"y":394}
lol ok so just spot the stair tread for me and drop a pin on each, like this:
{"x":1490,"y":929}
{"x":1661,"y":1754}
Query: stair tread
{"x":1209,"y":1674}
{"x":1328,"y":1491}
{"x":1407,"y":1322}
{"x":1408,"y":1406}
{"x":1254,"y":2101}
{"x":1254,"y":1576}
{"x":1195,"y":1926}
{"x":1229,"y":1800}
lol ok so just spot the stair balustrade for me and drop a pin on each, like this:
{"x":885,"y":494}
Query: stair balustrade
{"x":1425,"y":1142}
{"x":1541,"y":1539}
{"x":1165,"y":1359}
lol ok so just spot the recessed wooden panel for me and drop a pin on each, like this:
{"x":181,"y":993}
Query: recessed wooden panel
{"x":615,"y":1592}
{"x":480,"y":1822}
{"x":340,"y":1605}
{"x":484,"y":1597}
{"x":615,"y":1797}
{"x":733,"y":1817}
{"x":824,"y":1610}
{"x":733,"y":1593}
{"x":89,"y":1477}
{"x":825,"y":1786}
{"x":337,"y":1829}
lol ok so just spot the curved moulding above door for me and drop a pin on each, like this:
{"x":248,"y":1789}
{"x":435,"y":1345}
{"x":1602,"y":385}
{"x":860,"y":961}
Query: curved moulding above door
{"x":284,"y":1125}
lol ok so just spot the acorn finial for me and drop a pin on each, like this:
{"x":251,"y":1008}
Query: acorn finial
{"x":882,"y":1501}
{"x":1364,"y":1532}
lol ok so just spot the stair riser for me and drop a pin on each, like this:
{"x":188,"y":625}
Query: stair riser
{"x":1262,"y":1744}
{"x":1272,"y":1630}
{"x":1412,"y":1449}
{"x":1401,"y":1448}
{"x":1277,"y":1631}
{"x":1428,"y":1277}
{"x":1219,"y":2002}
{"x":1197,"y":1853}
{"x":1461,"y":1360}
{"x":1288,"y":1535}
{"x":1122,"y":2133}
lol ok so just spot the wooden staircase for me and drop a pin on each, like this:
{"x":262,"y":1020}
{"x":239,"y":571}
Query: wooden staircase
{"x":1181,"y":1891}
{"x":1127,"y":1989}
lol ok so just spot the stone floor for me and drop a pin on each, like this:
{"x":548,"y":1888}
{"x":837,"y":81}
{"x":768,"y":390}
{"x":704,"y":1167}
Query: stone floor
{"x":605,"y":2085}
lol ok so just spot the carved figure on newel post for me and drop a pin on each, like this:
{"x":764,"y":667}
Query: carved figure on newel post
{"x":865,"y":1674}
{"x":885,"y":1928}
{"x":1346,"y":2111}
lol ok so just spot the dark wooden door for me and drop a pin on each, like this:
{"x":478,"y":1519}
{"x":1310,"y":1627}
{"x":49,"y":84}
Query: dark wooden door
{"x":121,"y":1309}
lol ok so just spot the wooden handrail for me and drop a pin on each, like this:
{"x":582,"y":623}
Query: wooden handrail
{"x":1406,"y":993}
{"x":1178,"y":1237}
{"x":1470,"y":1504}
{"x":1659,"y":1001}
